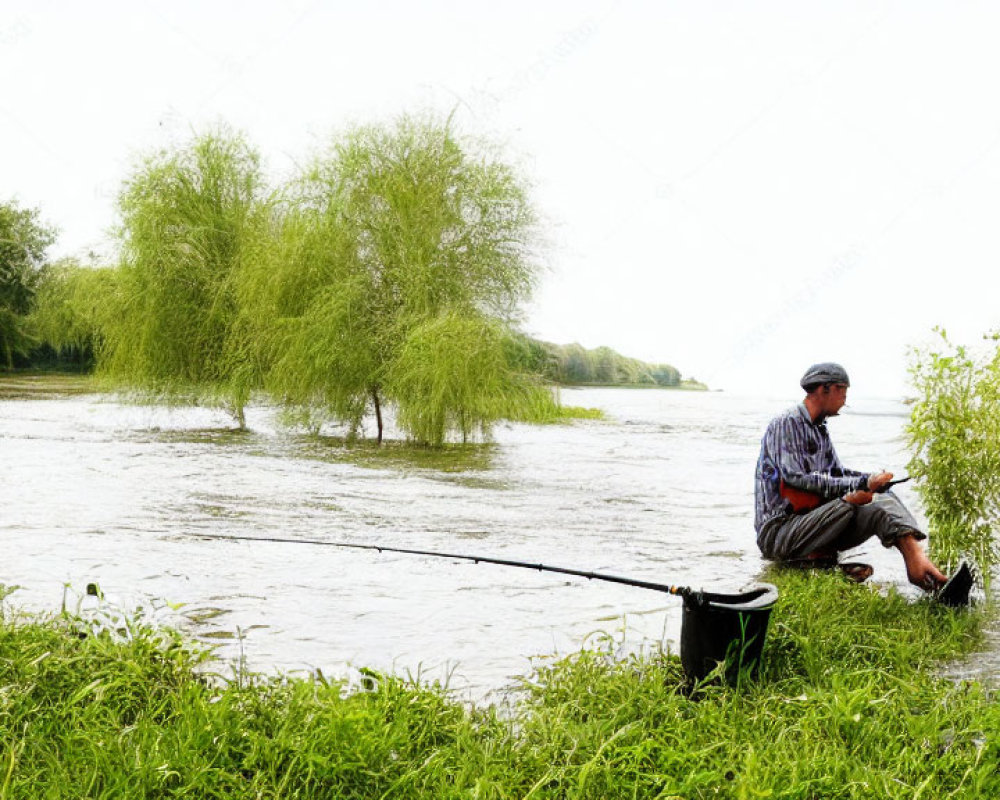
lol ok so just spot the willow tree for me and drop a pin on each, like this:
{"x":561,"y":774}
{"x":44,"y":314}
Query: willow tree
{"x":189,"y":217}
{"x":71,"y":309}
{"x":24,"y":240}
{"x":405,"y":255}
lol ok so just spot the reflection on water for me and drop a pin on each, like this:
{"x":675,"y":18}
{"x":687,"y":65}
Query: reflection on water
{"x":660,"y":491}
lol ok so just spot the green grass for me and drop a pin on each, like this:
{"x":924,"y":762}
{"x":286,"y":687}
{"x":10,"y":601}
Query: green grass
{"x":848,"y":704}
{"x":38,"y":384}
{"x":564,"y":413}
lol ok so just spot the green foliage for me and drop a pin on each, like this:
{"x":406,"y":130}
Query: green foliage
{"x":400,"y":264}
{"x":23,"y":242}
{"x":579,"y":412}
{"x":848,"y":705}
{"x":387,"y":278}
{"x":954,"y":432}
{"x":452,"y":374}
{"x":188,"y":220}
{"x":71,"y":309}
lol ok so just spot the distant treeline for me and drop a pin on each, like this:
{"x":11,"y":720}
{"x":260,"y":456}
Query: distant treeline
{"x":564,"y":364}
{"x":573,"y":364}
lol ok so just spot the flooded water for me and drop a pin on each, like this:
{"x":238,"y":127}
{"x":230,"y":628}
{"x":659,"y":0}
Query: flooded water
{"x":662,"y":490}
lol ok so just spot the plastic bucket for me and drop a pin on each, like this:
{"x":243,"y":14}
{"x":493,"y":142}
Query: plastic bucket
{"x":728,"y":628}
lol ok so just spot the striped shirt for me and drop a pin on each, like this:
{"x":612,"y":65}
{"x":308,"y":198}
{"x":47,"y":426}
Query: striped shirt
{"x":799,"y":451}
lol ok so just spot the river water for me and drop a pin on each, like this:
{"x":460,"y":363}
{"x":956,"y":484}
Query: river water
{"x":94,"y":490}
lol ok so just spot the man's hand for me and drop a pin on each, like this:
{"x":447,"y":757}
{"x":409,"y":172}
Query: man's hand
{"x":859,"y":497}
{"x":878,"y":480}
{"x":862,"y":497}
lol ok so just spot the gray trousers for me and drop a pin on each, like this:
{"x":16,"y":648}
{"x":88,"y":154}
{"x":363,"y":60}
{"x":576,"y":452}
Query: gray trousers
{"x":836,"y":526}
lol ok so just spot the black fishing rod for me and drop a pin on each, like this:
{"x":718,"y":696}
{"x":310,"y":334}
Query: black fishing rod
{"x":711,"y":625}
{"x":682,"y":591}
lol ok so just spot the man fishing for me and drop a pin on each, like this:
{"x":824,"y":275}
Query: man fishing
{"x":809,"y":506}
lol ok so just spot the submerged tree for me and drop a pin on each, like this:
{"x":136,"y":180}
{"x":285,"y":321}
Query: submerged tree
{"x":188,"y":219}
{"x":23,"y":242}
{"x":400,"y":266}
{"x":455,"y":375}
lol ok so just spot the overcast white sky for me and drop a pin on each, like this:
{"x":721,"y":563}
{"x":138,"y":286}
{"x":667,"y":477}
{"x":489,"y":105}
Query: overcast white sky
{"x":735,"y":188}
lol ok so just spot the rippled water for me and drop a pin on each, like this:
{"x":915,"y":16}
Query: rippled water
{"x":97,"y":491}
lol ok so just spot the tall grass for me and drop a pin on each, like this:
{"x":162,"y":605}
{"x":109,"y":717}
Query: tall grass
{"x":848,"y":705}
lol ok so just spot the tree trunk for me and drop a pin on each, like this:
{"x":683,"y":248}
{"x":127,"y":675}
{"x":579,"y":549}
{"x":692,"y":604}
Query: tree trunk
{"x":378,"y":413}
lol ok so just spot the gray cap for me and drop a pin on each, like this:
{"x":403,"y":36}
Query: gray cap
{"x":826,"y":372}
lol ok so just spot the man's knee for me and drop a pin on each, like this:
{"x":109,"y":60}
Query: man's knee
{"x":887,"y":518}
{"x":819,"y":529}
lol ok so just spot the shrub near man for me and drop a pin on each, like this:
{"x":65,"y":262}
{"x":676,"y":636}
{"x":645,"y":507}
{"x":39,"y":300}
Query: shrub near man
{"x":797,"y":455}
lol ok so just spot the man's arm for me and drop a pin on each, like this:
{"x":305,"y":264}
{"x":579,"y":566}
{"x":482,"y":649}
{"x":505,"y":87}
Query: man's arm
{"x":876,"y":481}
{"x":789,"y":444}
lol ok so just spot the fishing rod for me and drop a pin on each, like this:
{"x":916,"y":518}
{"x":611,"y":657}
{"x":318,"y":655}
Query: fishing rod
{"x":713,"y":625}
{"x":683,"y":591}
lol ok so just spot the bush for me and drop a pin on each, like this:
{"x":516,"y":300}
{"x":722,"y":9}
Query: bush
{"x":954,"y":431}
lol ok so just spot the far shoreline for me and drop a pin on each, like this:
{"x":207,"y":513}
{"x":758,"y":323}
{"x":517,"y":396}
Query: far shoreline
{"x":685,"y":386}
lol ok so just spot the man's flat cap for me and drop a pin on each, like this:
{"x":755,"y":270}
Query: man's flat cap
{"x":826,"y":372}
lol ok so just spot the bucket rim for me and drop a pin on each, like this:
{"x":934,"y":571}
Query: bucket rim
{"x":758,"y":597}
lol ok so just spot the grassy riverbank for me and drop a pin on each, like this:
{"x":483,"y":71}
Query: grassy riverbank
{"x":848,"y":705}
{"x":37,"y":385}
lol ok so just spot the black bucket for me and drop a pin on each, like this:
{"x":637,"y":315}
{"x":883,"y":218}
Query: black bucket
{"x":726,"y":628}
